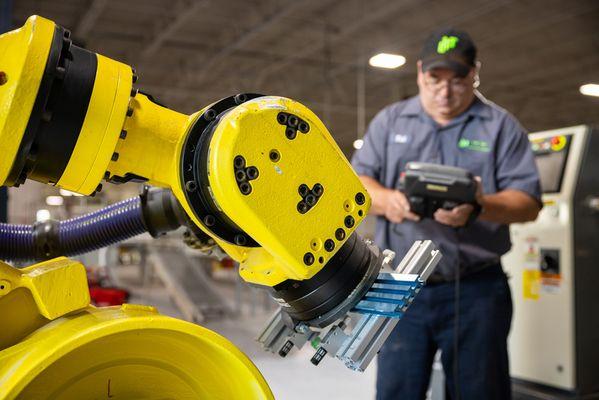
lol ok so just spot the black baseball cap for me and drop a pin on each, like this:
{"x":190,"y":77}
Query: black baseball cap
{"x":449,"y":48}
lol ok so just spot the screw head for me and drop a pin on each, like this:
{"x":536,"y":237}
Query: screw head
{"x":210,"y":114}
{"x":190,"y":186}
{"x":239,"y":162}
{"x":303,"y":190}
{"x":290,"y":133}
{"x":329,"y":245}
{"x":308,"y":258}
{"x":282,"y":118}
{"x":318,"y":189}
{"x":349,"y":221}
{"x":360,"y":198}
{"x":302,"y":207}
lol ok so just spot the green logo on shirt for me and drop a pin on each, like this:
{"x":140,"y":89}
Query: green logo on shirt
{"x":474,"y":145}
{"x":447,"y":43}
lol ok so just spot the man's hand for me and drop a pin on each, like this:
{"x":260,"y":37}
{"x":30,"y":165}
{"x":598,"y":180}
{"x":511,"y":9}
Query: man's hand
{"x":397,"y":207}
{"x":458,"y":216}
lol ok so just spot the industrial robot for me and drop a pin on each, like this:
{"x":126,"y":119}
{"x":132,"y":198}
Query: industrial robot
{"x":259,"y":177}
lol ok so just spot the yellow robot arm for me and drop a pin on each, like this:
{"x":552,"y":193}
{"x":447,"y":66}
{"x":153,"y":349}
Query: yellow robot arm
{"x":260,"y":174}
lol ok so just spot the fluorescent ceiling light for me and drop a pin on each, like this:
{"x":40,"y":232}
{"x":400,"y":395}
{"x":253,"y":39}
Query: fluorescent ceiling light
{"x":386,"y":60}
{"x":358,"y":144}
{"x":54,"y":200}
{"x":590,"y":89}
{"x":42,"y":215}
{"x":64,"y":192}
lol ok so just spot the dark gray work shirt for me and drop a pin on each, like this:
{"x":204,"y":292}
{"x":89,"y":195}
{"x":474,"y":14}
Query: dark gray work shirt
{"x":485,"y":139}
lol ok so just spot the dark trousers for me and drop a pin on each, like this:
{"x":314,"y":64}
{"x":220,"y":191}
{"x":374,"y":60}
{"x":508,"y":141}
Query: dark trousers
{"x":485,"y":314}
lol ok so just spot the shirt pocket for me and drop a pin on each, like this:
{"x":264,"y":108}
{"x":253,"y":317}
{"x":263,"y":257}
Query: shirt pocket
{"x":398,"y":155}
{"x":479,"y":163}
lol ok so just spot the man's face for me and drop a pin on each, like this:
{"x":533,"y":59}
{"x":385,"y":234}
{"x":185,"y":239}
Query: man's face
{"x":444,"y":94}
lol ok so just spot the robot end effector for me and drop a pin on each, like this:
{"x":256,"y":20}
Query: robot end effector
{"x":247,"y":170}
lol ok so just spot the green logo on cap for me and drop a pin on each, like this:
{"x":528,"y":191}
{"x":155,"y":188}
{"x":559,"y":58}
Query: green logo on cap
{"x":447,"y":43}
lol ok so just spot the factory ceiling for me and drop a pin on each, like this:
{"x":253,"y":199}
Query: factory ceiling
{"x":188,"y":53}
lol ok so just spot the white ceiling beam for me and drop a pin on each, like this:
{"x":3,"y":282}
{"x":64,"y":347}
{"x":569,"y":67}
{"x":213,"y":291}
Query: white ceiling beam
{"x":184,"y":11}
{"x":89,"y":18}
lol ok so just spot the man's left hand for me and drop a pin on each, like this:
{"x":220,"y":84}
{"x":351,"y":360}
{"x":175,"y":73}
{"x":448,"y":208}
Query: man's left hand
{"x":458,"y":216}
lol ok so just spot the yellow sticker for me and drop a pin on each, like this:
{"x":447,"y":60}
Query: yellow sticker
{"x":531,"y":283}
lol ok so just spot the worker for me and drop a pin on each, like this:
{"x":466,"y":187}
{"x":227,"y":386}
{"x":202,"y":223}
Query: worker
{"x":449,"y":122}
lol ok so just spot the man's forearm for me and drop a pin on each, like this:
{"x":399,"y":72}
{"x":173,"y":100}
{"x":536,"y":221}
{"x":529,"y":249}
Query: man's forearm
{"x":377,"y":193}
{"x":509,"y":206}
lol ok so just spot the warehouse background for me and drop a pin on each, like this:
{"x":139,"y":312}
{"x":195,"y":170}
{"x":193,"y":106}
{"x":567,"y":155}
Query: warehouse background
{"x":189,"y":53}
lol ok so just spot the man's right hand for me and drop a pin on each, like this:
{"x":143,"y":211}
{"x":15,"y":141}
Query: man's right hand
{"x":397,"y":207}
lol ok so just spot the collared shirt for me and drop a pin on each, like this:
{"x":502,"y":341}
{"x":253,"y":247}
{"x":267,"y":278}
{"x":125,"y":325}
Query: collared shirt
{"x":485,"y":139}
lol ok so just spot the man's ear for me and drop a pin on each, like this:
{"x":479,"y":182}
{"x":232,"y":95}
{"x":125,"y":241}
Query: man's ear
{"x":477,"y":66}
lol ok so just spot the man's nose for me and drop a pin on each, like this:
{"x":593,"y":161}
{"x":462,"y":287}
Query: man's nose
{"x":445,"y":90}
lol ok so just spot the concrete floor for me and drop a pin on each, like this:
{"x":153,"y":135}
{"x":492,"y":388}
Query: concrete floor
{"x":290,"y":378}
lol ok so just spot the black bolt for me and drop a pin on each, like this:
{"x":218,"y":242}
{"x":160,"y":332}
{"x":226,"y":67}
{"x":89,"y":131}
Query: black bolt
{"x":240,"y":98}
{"x":311,"y":200}
{"x":340,"y":234}
{"x":3,"y":78}
{"x":302,"y":207}
{"x":60,"y":72}
{"x":239,"y":162}
{"x":252,"y":173}
{"x":134,"y":92}
{"x":286,"y":348}
{"x":282,"y":118}
{"x":115,"y":156}
{"x":210,"y":114}
{"x":98,"y":188}
{"x":318,"y":356}
{"x":47,"y":116}
{"x":303,"y":190}
{"x":274,"y":156}
{"x":321,"y":259}
{"x":190,"y":186}
{"x":317,"y":190}
{"x":123,"y":134}
{"x":292,"y":121}
{"x":245,"y":188}
{"x":240,"y":175}
{"x":209,"y":220}
{"x":129,"y":111}
{"x":106,"y":175}
{"x":329,"y":245}
{"x":308,"y":258}
{"x":360,"y":198}
{"x":349,"y":221}
{"x":290,"y":133}
{"x":303,"y":127}
{"x":134,"y":78}
{"x":240,"y":240}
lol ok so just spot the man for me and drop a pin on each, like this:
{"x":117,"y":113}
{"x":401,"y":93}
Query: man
{"x":450,"y":123}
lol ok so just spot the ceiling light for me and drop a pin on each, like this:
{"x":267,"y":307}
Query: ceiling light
{"x":54,"y":200}
{"x":386,"y":60}
{"x":590,"y":89}
{"x":67,"y":193}
{"x":358,"y":144}
{"x":42,"y":215}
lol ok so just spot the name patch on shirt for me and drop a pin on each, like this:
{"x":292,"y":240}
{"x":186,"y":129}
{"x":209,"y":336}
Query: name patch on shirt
{"x":474,"y":145}
{"x":400,"y":138}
